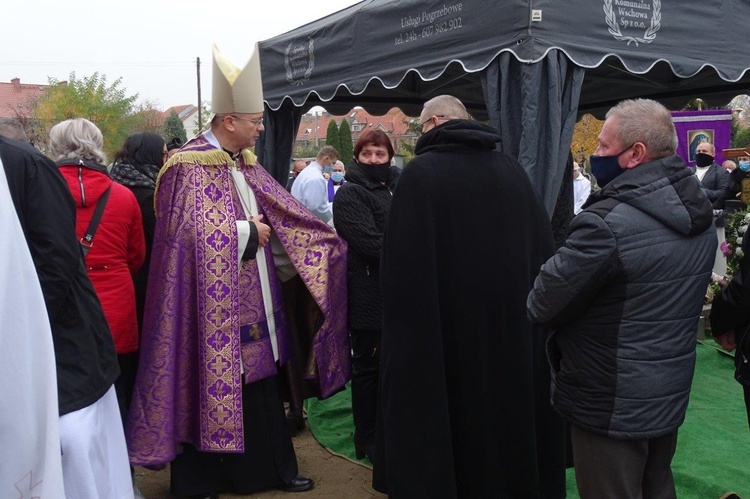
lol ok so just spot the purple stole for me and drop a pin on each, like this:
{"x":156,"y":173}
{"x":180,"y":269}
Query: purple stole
{"x":204,"y":320}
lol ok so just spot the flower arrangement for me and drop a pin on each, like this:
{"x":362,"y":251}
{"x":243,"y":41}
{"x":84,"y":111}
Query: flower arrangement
{"x":736,"y":227}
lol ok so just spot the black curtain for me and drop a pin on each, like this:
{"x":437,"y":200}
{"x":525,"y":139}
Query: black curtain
{"x":534,"y":106}
{"x":275,"y":144}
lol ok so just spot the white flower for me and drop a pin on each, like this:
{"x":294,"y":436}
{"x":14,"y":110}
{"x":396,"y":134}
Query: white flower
{"x":739,"y":253}
{"x":742,"y":229}
{"x":747,"y":218}
{"x":739,"y":241}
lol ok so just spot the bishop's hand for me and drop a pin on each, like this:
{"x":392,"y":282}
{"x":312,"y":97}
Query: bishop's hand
{"x":264,"y":231}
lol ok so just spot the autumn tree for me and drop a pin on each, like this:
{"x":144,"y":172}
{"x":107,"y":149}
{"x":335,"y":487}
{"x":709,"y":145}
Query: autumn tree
{"x":413,"y":131}
{"x":346,"y":151}
{"x":585,"y":135}
{"x":173,"y":127}
{"x":108,"y":106}
{"x":741,"y":137}
{"x":332,"y":135}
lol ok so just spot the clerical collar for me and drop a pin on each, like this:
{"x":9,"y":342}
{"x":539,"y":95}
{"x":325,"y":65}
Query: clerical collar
{"x":235,"y":155}
{"x":211,"y":138}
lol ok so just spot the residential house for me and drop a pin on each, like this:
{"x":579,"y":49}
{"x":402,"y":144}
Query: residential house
{"x":188,"y":114}
{"x":16,"y":99}
{"x":311,"y":134}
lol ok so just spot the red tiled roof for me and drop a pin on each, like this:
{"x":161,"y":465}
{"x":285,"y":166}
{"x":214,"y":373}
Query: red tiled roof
{"x":16,"y":97}
{"x":394,"y":123}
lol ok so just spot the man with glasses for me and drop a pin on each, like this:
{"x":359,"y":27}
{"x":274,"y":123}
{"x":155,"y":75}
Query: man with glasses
{"x":623,"y":297}
{"x":215,"y":335}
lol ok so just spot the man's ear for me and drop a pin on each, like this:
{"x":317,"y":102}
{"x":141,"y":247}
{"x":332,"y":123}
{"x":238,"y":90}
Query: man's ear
{"x":639,"y":155}
{"x":228,"y":125}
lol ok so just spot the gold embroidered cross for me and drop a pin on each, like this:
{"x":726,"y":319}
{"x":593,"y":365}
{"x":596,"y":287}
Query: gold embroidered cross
{"x":256,"y":332}
{"x":218,"y":316}
{"x":218,"y":266}
{"x":218,"y":365}
{"x":214,"y":216}
{"x":220,"y":414}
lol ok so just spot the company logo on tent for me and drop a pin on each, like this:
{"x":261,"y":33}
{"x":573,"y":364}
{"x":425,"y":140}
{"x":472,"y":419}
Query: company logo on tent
{"x":633,"y":21}
{"x":299,"y":60}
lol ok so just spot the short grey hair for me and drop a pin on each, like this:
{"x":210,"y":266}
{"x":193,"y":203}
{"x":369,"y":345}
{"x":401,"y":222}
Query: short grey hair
{"x":446,"y":106}
{"x":646,"y":121}
{"x":77,"y":138}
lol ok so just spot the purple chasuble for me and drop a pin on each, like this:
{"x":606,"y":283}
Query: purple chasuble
{"x":204,"y":319}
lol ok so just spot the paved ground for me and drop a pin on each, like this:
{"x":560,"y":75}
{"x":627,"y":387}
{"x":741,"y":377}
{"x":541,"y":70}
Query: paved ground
{"x":335,"y":477}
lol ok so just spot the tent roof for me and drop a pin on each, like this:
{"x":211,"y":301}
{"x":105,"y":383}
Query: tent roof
{"x":381,"y":53}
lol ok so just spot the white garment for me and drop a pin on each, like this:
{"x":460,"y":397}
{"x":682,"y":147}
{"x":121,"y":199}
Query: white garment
{"x":700,"y":171}
{"x":581,"y":191}
{"x":30,"y":460}
{"x":250,"y":206}
{"x":311,"y":188}
{"x":95,"y":457}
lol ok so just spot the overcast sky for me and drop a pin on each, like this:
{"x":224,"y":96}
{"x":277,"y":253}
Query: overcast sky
{"x":152,"y":45}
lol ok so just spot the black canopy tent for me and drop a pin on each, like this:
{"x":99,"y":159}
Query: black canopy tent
{"x":530,"y":67}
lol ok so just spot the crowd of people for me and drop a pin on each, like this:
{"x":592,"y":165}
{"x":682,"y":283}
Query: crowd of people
{"x":189,"y":303}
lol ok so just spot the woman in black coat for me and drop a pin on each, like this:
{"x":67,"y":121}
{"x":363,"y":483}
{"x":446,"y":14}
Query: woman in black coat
{"x":360,"y":210}
{"x":137,"y":165}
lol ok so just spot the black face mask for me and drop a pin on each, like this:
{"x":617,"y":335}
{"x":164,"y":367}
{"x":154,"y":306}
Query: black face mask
{"x":703,"y":160}
{"x":377,"y":172}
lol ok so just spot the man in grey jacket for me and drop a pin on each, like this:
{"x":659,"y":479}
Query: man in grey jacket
{"x":623,"y":296}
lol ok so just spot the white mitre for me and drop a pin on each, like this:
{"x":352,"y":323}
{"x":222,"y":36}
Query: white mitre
{"x":235,"y":91}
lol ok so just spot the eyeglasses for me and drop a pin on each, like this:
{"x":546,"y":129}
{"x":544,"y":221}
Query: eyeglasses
{"x":440,"y":117}
{"x":423,"y":123}
{"x":255,"y":122}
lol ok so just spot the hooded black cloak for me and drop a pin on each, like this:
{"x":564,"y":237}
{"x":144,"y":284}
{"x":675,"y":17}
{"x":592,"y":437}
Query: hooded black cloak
{"x":464,"y":404}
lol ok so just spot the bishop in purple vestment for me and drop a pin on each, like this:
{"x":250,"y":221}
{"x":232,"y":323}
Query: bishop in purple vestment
{"x":215,"y":332}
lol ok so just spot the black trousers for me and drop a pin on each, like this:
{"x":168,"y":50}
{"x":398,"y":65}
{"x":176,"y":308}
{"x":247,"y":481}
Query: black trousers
{"x":268,"y":461}
{"x":746,"y":389}
{"x":609,"y":468}
{"x":124,"y":383}
{"x":365,"y":367}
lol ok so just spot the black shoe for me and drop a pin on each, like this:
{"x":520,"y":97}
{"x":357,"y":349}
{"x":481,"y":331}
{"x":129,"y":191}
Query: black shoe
{"x":204,"y":496}
{"x":298,"y":484}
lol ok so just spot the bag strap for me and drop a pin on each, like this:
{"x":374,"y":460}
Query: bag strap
{"x":87,"y":241}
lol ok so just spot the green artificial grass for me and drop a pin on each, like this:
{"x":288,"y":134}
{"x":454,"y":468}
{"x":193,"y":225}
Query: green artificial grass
{"x":713,"y":448}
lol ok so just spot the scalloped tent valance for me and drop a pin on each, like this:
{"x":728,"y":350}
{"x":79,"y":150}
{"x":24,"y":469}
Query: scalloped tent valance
{"x":380,"y":53}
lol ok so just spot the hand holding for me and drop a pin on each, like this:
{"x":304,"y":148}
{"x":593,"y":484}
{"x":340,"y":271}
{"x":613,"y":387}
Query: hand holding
{"x":264,"y":231}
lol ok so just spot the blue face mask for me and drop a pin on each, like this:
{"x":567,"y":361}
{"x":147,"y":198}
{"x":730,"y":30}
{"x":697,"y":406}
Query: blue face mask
{"x":327,"y":169}
{"x":606,"y":168}
{"x":745,"y":166}
{"x":337,"y":177}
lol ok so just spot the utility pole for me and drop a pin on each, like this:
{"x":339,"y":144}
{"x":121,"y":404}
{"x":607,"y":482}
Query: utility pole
{"x":317,"y":140}
{"x":200,"y":111}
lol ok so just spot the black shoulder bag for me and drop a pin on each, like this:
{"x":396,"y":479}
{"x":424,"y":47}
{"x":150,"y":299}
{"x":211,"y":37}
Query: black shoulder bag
{"x":87,"y":241}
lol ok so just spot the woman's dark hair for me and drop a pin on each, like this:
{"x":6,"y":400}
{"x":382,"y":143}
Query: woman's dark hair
{"x":142,"y":148}
{"x":374,"y":137}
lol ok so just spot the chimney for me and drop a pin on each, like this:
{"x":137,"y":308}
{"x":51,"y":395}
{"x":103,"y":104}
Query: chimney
{"x":16,"y":84}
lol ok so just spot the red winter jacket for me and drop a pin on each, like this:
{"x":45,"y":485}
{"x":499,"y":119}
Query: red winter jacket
{"x":118,"y":249}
